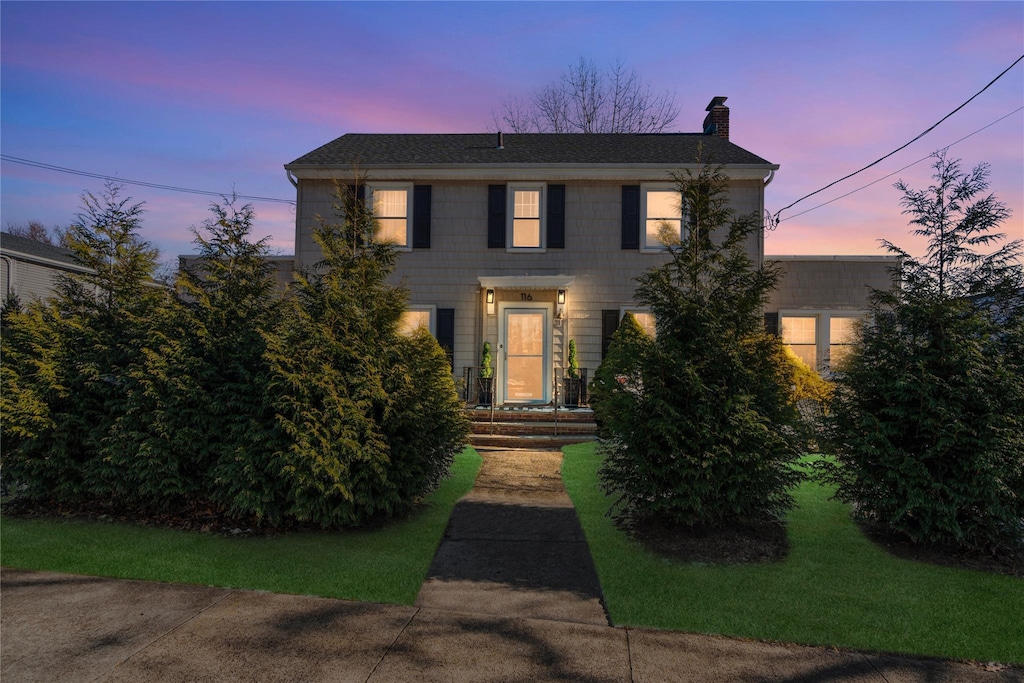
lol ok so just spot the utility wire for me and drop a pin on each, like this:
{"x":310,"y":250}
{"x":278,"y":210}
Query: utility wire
{"x":874,"y":182}
{"x":142,"y":183}
{"x":775,"y":218}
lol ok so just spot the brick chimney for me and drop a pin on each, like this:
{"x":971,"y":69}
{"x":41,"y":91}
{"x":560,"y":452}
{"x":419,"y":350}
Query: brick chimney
{"x":717,"y":121}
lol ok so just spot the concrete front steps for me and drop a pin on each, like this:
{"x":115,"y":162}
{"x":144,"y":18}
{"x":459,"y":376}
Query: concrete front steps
{"x":530,"y":428}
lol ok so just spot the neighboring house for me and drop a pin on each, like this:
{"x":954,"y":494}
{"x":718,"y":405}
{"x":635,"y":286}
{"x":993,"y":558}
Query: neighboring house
{"x":284,"y":266}
{"x":821,"y":299}
{"x":530,"y":240}
{"x":28,"y":269}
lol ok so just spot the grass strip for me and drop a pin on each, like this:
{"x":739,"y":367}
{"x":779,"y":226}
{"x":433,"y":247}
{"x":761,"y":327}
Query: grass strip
{"x":387,"y":564}
{"x":835,"y":588}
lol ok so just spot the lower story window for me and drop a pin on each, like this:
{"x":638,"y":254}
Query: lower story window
{"x":644,"y":318}
{"x":842,"y":333}
{"x":414,"y":319}
{"x":799,"y":333}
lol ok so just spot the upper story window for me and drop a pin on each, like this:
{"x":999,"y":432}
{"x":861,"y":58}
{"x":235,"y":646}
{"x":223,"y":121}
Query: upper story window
{"x":391,"y":204}
{"x":526,"y":216}
{"x":526,"y":226}
{"x":661,"y":207}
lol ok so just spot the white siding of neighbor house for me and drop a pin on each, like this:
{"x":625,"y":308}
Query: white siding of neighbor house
{"x":28,"y":280}
{"x":446,"y":275}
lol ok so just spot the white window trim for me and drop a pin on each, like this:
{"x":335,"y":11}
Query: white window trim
{"x":408,"y":187}
{"x":510,"y":213}
{"x":822,"y":328}
{"x":428,"y":308}
{"x":659,"y":248}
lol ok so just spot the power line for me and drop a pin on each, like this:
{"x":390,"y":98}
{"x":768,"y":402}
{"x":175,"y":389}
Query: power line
{"x":874,"y":182}
{"x":775,"y":218}
{"x":142,"y":183}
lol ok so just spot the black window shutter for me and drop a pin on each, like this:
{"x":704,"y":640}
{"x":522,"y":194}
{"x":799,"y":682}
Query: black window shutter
{"x":609,"y":323}
{"x":446,"y":332}
{"x":421,"y":195}
{"x":495,"y":216}
{"x":771,"y":323}
{"x":360,"y":191}
{"x":630,"y":216}
{"x":556,"y":217}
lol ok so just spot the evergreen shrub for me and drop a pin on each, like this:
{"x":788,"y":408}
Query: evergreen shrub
{"x":927,"y":423}
{"x":697,"y":423}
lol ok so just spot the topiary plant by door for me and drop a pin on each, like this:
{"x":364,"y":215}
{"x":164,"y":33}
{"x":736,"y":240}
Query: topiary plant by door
{"x":572,"y":382}
{"x":486,"y":379}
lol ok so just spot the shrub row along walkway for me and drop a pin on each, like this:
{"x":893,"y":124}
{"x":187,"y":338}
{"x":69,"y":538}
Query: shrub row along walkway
{"x":514,"y":547}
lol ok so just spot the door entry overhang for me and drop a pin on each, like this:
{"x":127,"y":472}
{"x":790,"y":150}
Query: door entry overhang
{"x":526,"y":281}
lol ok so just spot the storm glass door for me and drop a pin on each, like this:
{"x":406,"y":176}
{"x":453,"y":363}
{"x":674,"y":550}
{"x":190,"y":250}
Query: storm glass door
{"x":526,"y":375}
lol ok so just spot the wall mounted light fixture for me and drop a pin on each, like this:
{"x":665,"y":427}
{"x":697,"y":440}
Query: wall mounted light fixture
{"x":560,"y":308}
{"x":490,"y":302}
{"x":561,"y":297}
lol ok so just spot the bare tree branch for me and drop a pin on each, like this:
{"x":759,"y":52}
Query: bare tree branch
{"x":585,"y":99}
{"x":33,"y":230}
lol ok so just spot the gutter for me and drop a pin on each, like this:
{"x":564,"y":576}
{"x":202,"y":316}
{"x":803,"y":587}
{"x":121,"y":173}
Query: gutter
{"x":10,"y":274}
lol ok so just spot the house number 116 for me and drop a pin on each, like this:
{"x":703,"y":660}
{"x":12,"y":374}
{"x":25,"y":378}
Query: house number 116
{"x":524,"y":296}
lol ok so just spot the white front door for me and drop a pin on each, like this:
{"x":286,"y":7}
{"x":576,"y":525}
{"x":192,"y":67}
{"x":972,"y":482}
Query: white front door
{"x":527,"y":355}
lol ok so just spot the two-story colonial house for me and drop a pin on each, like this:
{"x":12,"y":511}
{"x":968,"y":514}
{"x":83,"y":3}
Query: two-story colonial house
{"x":528,"y":241}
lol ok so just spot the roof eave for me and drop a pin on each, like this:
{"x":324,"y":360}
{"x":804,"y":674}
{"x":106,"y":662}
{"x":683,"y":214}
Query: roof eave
{"x":549,"y":172}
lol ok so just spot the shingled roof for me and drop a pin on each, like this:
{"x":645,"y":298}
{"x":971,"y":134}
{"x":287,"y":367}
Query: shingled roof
{"x":590,"y":149}
{"x":33,"y":249}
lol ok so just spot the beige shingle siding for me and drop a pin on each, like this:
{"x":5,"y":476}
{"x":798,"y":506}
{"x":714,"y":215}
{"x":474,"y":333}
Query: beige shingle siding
{"x":830,"y":282}
{"x":446,"y":275}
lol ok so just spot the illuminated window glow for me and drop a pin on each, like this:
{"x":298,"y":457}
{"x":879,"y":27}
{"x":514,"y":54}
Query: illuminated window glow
{"x":662,"y":211}
{"x":414,"y":320}
{"x":799,"y":333}
{"x":526,"y":219}
{"x":391,"y":207}
{"x":644,"y":318}
{"x":842,"y":333}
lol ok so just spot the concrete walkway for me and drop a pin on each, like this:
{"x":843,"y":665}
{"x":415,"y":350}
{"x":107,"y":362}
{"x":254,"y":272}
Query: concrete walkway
{"x":514,"y":547}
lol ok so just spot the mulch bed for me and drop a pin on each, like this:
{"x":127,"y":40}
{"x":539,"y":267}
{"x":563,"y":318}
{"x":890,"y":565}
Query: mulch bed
{"x":751,"y":543}
{"x":737,"y":544}
{"x":192,"y":518}
{"x":1010,"y":563}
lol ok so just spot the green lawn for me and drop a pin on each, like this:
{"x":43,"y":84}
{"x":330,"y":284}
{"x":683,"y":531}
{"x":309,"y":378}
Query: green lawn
{"x":384,"y":565}
{"x":835,"y":588}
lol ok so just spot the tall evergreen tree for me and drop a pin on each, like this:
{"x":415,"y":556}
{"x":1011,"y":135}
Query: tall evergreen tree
{"x":928,"y":418}
{"x":701,"y":429}
{"x":81,"y":361}
{"x":343,"y":382}
{"x":231,"y":308}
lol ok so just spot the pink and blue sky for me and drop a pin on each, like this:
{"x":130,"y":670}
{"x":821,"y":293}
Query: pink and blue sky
{"x":217,"y":96}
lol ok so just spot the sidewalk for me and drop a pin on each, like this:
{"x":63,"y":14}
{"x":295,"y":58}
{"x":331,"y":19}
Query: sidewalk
{"x":58,"y":627}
